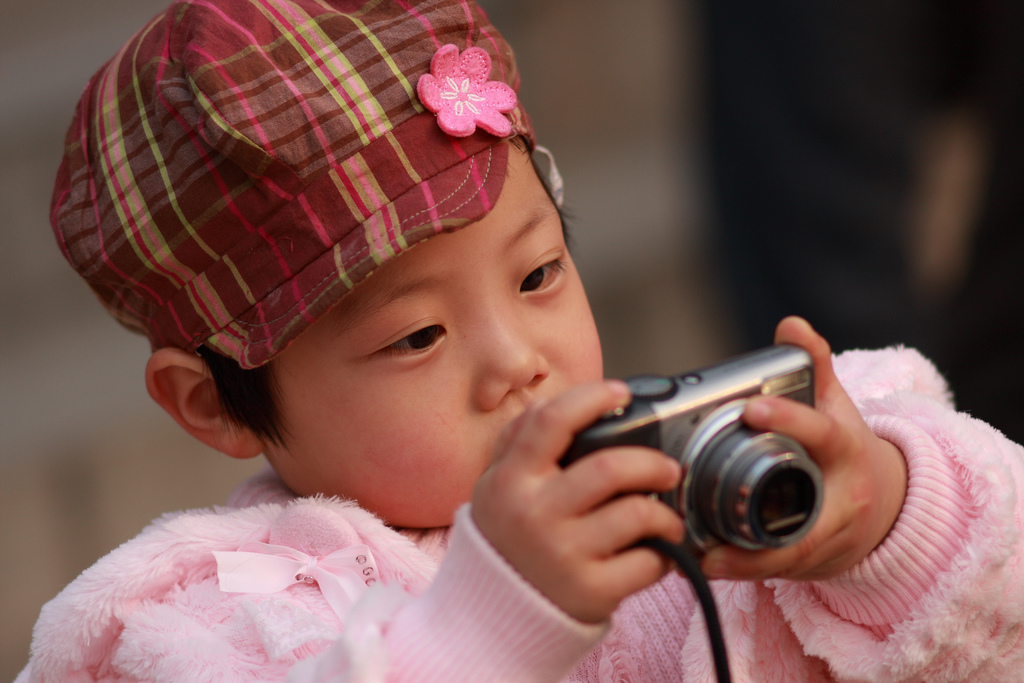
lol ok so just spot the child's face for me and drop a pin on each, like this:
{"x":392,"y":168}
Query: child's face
{"x":397,"y":397}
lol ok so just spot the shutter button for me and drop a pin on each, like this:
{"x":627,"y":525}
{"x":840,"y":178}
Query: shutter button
{"x":652,"y":387}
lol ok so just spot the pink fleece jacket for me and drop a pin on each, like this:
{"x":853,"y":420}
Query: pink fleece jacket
{"x":941,"y":599}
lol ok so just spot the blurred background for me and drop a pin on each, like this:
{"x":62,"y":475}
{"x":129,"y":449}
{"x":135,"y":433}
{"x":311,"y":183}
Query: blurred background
{"x":615,"y":89}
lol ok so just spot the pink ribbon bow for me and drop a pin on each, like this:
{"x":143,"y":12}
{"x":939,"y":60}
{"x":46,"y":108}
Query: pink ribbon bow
{"x":263,"y":568}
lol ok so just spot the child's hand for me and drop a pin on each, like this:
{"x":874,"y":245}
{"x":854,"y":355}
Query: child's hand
{"x":865,"y":477}
{"x":570,"y":532}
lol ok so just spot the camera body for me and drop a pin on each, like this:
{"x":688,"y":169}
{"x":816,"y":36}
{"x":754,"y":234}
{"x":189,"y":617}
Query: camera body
{"x":739,"y":486}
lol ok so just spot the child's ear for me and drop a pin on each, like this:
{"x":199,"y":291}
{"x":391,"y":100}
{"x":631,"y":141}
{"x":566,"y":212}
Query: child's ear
{"x":180,"y":383}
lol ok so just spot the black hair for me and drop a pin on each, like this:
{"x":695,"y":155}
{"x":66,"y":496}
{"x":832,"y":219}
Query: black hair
{"x":250,"y":399}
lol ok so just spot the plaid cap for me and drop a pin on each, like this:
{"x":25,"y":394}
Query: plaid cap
{"x":240,"y":165}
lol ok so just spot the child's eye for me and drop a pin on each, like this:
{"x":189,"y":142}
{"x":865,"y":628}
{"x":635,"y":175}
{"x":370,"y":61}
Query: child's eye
{"x":418,"y":340}
{"x":540,"y":276}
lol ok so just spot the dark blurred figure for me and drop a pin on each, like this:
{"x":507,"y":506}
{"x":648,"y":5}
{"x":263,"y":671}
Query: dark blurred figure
{"x":814,"y":111}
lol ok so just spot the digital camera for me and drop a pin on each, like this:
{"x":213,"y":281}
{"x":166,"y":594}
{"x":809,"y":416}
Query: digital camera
{"x":739,"y":486}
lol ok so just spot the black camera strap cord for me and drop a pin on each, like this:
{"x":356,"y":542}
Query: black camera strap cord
{"x":691,"y":568}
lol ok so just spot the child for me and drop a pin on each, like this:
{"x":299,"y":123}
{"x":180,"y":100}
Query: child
{"x":232,"y":179}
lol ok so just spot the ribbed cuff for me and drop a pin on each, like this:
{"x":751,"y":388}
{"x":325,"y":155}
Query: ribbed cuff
{"x":481,"y":621}
{"x":883,"y":588}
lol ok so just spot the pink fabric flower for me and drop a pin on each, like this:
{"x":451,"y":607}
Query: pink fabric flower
{"x":457,"y":90}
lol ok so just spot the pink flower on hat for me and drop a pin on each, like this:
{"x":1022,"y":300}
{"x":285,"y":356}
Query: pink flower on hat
{"x":457,"y":90}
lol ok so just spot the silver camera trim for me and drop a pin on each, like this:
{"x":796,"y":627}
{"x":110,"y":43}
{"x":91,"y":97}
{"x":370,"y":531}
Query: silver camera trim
{"x":688,"y":434}
{"x":721,"y":421}
{"x":698,"y":415}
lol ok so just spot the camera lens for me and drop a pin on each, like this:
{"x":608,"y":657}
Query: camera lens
{"x":784,"y":501}
{"x":755,"y":489}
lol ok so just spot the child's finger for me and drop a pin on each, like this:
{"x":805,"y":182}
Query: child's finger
{"x":624,"y":574}
{"x":626,"y":521}
{"x":827,"y":543}
{"x":544,"y":431}
{"x":798,"y":332}
{"x":817,"y":432}
{"x":599,"y":586}
{"x":603,"y":474}
{"x":750,"y":565}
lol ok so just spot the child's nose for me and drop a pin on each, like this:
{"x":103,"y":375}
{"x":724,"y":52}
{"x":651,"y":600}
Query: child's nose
{"x":511,"y":361}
